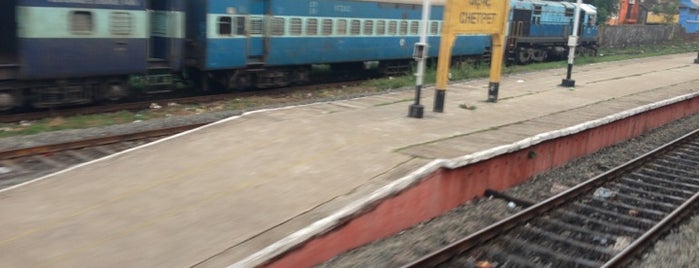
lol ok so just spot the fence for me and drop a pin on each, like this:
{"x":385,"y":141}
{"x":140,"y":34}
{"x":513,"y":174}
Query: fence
{"x":620,"y":36}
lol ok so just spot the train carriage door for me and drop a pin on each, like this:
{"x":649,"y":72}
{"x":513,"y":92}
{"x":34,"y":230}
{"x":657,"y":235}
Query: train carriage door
{"x":254,"y":27}
{"x":8,"y":31}
{"x":166,"y":41}
{"x":582,"y":22}
{"x":521,"y":22}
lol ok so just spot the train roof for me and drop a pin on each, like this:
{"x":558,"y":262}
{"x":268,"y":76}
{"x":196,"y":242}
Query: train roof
{"x":415,"y":2}
{"x":589,"y":9}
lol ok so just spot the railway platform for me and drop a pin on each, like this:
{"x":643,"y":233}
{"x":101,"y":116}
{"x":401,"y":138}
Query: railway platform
{"x":273,"y":184}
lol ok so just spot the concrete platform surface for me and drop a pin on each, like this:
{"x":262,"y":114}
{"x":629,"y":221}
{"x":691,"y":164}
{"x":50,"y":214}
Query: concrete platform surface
{"x":215,"y":195}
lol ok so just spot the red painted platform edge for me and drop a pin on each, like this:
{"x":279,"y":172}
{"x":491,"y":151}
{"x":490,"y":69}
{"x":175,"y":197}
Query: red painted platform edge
{"x":419,"y":202}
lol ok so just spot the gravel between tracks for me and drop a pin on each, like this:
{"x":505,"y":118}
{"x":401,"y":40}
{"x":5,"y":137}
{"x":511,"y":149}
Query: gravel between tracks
{"x":678,"y":249}
{"x":46,"y":138}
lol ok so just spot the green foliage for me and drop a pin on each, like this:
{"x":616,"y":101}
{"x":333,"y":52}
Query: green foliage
{"x":76,"y":122}
{"x":605,"y":8}
{"x":667,"y":10}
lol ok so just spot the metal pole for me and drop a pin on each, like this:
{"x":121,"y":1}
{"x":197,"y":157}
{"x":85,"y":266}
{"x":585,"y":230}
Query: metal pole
{"x":572,"y":43}
{"x":420,"y":54}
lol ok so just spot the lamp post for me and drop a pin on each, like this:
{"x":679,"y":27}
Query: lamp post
{"x":572,"y":43}
{"x":420,"y":55}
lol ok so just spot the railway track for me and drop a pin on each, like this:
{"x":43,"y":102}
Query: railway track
{"x":604,"y":222}
{"x":146,"y":103}
{"x":21,"y":165}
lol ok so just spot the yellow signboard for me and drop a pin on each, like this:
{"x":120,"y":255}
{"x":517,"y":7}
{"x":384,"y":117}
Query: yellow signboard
{"x":476,"y":16}
{"x":472,"y":17}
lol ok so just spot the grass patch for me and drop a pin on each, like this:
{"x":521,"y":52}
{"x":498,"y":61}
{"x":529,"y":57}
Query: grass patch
{"x":75,"y":122}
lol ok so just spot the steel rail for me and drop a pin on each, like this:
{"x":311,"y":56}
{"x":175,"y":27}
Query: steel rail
{"x":73,"y":145}
{"x":452,"y":250}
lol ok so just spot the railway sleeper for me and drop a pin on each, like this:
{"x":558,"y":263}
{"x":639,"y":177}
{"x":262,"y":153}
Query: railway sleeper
{"x":627,"y":220}
{"x":649,"y":186}
{"x":543,"y":256}
{"x":574,"y":231}
{"x":653,"y":195}
{"x":597,"y":224}
{"x":595,"y":252}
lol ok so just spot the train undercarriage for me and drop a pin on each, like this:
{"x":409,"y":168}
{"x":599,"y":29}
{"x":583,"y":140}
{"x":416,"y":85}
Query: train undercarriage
{"x":73,"y":92}
{"x":525,"y":53}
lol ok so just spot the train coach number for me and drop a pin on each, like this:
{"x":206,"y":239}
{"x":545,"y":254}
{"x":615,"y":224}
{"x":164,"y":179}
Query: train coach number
{"x":343,"y":8}
{"x":313,"y":7}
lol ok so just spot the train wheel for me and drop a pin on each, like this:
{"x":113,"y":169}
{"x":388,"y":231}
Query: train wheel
{"x":9,"y":100}
{"x":302,"y":76}
{"x":591,"y":52}
{"x":524,"y":56}
{"x":240,"y":81}
{"x":115,"y":90}
{"x":538,"y":55}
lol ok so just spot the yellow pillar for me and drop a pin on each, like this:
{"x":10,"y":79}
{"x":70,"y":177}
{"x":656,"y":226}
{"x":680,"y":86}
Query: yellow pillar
{"x":496,"y":56}
{"x":443,"y":70}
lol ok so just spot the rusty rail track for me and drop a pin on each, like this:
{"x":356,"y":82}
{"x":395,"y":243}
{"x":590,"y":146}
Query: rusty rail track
{"x":20,"y":165}
{"x":604,"y":222}
{"x":145,"y":104}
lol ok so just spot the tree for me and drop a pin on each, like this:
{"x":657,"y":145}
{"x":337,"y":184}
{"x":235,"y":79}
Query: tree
{"x":667,"y":10}
{"x":605,"y":8}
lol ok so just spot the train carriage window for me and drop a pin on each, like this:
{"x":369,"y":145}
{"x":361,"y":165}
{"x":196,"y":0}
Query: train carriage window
{"x":368,"y":27}
{"x":537,"y":10}
{"x":569,"y":12}
{"x":434,"y":28}
{"x":327,"y":27}
{"x":256,"y":26}
{"x":414,"y":27}
{"x":312,"y":27}
{"x":225,"y":26}
{"x":120,"y":23}
{"x":355,"y":27}
{"x":81,"y":22}
{"x":240,"y":25}
{"x":295,"y":26}
{"x":392,"y":25}
{"x":381,"y":27}
{"x":278,"y":26}
{"x":403,"y":28}
{"x":341,"y":27}
{"x":158,"y":24}
{"x":591,"y":21}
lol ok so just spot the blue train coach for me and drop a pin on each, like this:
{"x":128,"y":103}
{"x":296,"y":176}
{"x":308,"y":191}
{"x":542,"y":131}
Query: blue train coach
{"x":66,"y":52}
{"x":265,"y":43}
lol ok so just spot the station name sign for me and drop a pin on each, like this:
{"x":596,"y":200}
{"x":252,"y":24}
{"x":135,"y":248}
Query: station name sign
{"x":477,"y":16}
